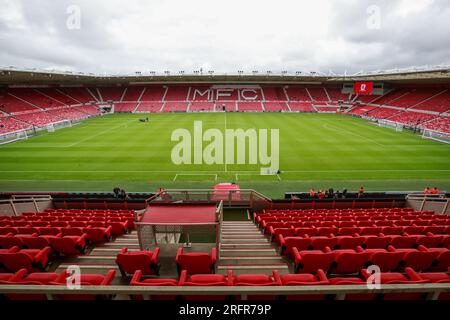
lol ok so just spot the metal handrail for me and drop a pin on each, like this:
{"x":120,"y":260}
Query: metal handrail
{"x":432,"y":290}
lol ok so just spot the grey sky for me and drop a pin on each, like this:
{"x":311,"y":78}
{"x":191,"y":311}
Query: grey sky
{"x":117,"y":36}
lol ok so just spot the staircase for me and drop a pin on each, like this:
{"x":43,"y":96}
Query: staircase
{"x":102,"y":257}
{"x":244,"y":249}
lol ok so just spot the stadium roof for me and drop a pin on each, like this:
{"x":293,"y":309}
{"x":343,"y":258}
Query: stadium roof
{"x":16,"y":77}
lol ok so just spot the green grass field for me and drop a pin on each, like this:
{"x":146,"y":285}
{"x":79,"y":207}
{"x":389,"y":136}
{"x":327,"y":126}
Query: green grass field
{"x":316,"y":150}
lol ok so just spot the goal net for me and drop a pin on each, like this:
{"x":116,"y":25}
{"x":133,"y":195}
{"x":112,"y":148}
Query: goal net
{"x":59,"y":125}
{"x":390,"y":124}
{"x":435,"y":135}
{"x":13,"y":136}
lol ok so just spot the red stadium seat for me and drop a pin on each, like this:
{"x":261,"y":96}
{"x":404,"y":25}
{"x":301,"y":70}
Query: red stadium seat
{"x":433,"y":277}
{"x":309,"y":261}
{"x":349,"y":261}
{"x":376,"y":242}
{"x":418,"y":259}
{"x":30,"y":259}
{"x":386,"y":260}
{"x":85,"y":280}
{"x":305,"y":279}
{"x":131,"y":261}
{"x":258,"y":280}
{"x":196,"y":262}
{"x":205,"y":280}
{"x":98,"y":234}
{"x":348,"y":242}
{"x":321,"y":242}
{"x":136,"y":281}
{"x":397,"y":278}
{"x":9,"y":241}
{"x":69,"y":245}
{"x":301,"y":243}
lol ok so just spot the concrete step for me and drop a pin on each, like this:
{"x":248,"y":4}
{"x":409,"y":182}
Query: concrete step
{"x":90,"y":268}
{"x":237,"y":222}
{"x":239,"y":240}
{"x":247,"y":252}
{"x":106,"y":251}
{"x":250,"y":260}
{"x":247,"y":246}
{"x":252,"y":269}
{"x":119,"y":245}
{"x":243,"y":236}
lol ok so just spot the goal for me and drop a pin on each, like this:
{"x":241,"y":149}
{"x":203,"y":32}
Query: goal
{"x":390,"y":124}
{"x":59,"y":125}
{"x":436,"y":135}
{"x":13,"y":136}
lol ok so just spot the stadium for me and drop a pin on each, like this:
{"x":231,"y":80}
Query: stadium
{"x":225,"y":186}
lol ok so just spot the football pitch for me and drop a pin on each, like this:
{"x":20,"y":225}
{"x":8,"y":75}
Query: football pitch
{"x":315,"y":150}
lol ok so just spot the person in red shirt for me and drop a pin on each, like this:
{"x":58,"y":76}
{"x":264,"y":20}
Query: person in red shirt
{"x":320,"y":194}
{"x":361,"y":192}
{"x":312,"y":193}
{"x":426,"y":190}
{"x":435,"y":190}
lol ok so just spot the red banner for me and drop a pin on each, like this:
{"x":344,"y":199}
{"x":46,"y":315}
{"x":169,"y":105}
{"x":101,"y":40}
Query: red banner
{"x":363,"y":87}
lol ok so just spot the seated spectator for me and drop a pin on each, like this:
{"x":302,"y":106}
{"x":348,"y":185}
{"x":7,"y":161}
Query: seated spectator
{"x":361,"y":192}
{"x":344,"y":193}
{"x":312,"y":193}
{"x":320,"y":194}
{"x":435,"y":190}
{"x":426,"y":190}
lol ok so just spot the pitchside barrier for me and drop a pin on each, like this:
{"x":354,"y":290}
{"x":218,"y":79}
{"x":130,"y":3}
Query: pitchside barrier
{"x":231,"y":198}
{"x":436,"y":135}
{"x":431,"y":290}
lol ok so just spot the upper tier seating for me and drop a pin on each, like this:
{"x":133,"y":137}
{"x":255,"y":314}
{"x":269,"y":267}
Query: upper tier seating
{"x":274,"y":94}
{"x":81,"y":95}
{"x":176,"y":93}
{"x":111,"y":93}
{"x":57,"y":95}
{"x":318,"y":94}
{"x":133,"y":93}
{"x":413,"y":97}
{"x":336,"y":94}
{"x":439,"y":103}
{"x":14,"y":105}
{"x":297,"y":93}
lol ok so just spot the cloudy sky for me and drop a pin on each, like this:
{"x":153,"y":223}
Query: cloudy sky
{"x":118,"y":37}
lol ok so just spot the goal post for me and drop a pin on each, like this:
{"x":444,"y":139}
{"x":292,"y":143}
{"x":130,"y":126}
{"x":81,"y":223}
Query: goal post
{"x":436,"y":136}
{"x":52,"y":127}
{"x":13,"y":136}
{"x":390,"y":124}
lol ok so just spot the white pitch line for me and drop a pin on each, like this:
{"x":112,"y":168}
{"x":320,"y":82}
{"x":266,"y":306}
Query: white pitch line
{"x":98,"y":134}
{"x":214,"y":172}
{"x":175,"y":178}
{"x":326,"y":125}
{"x":225,"y":130}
